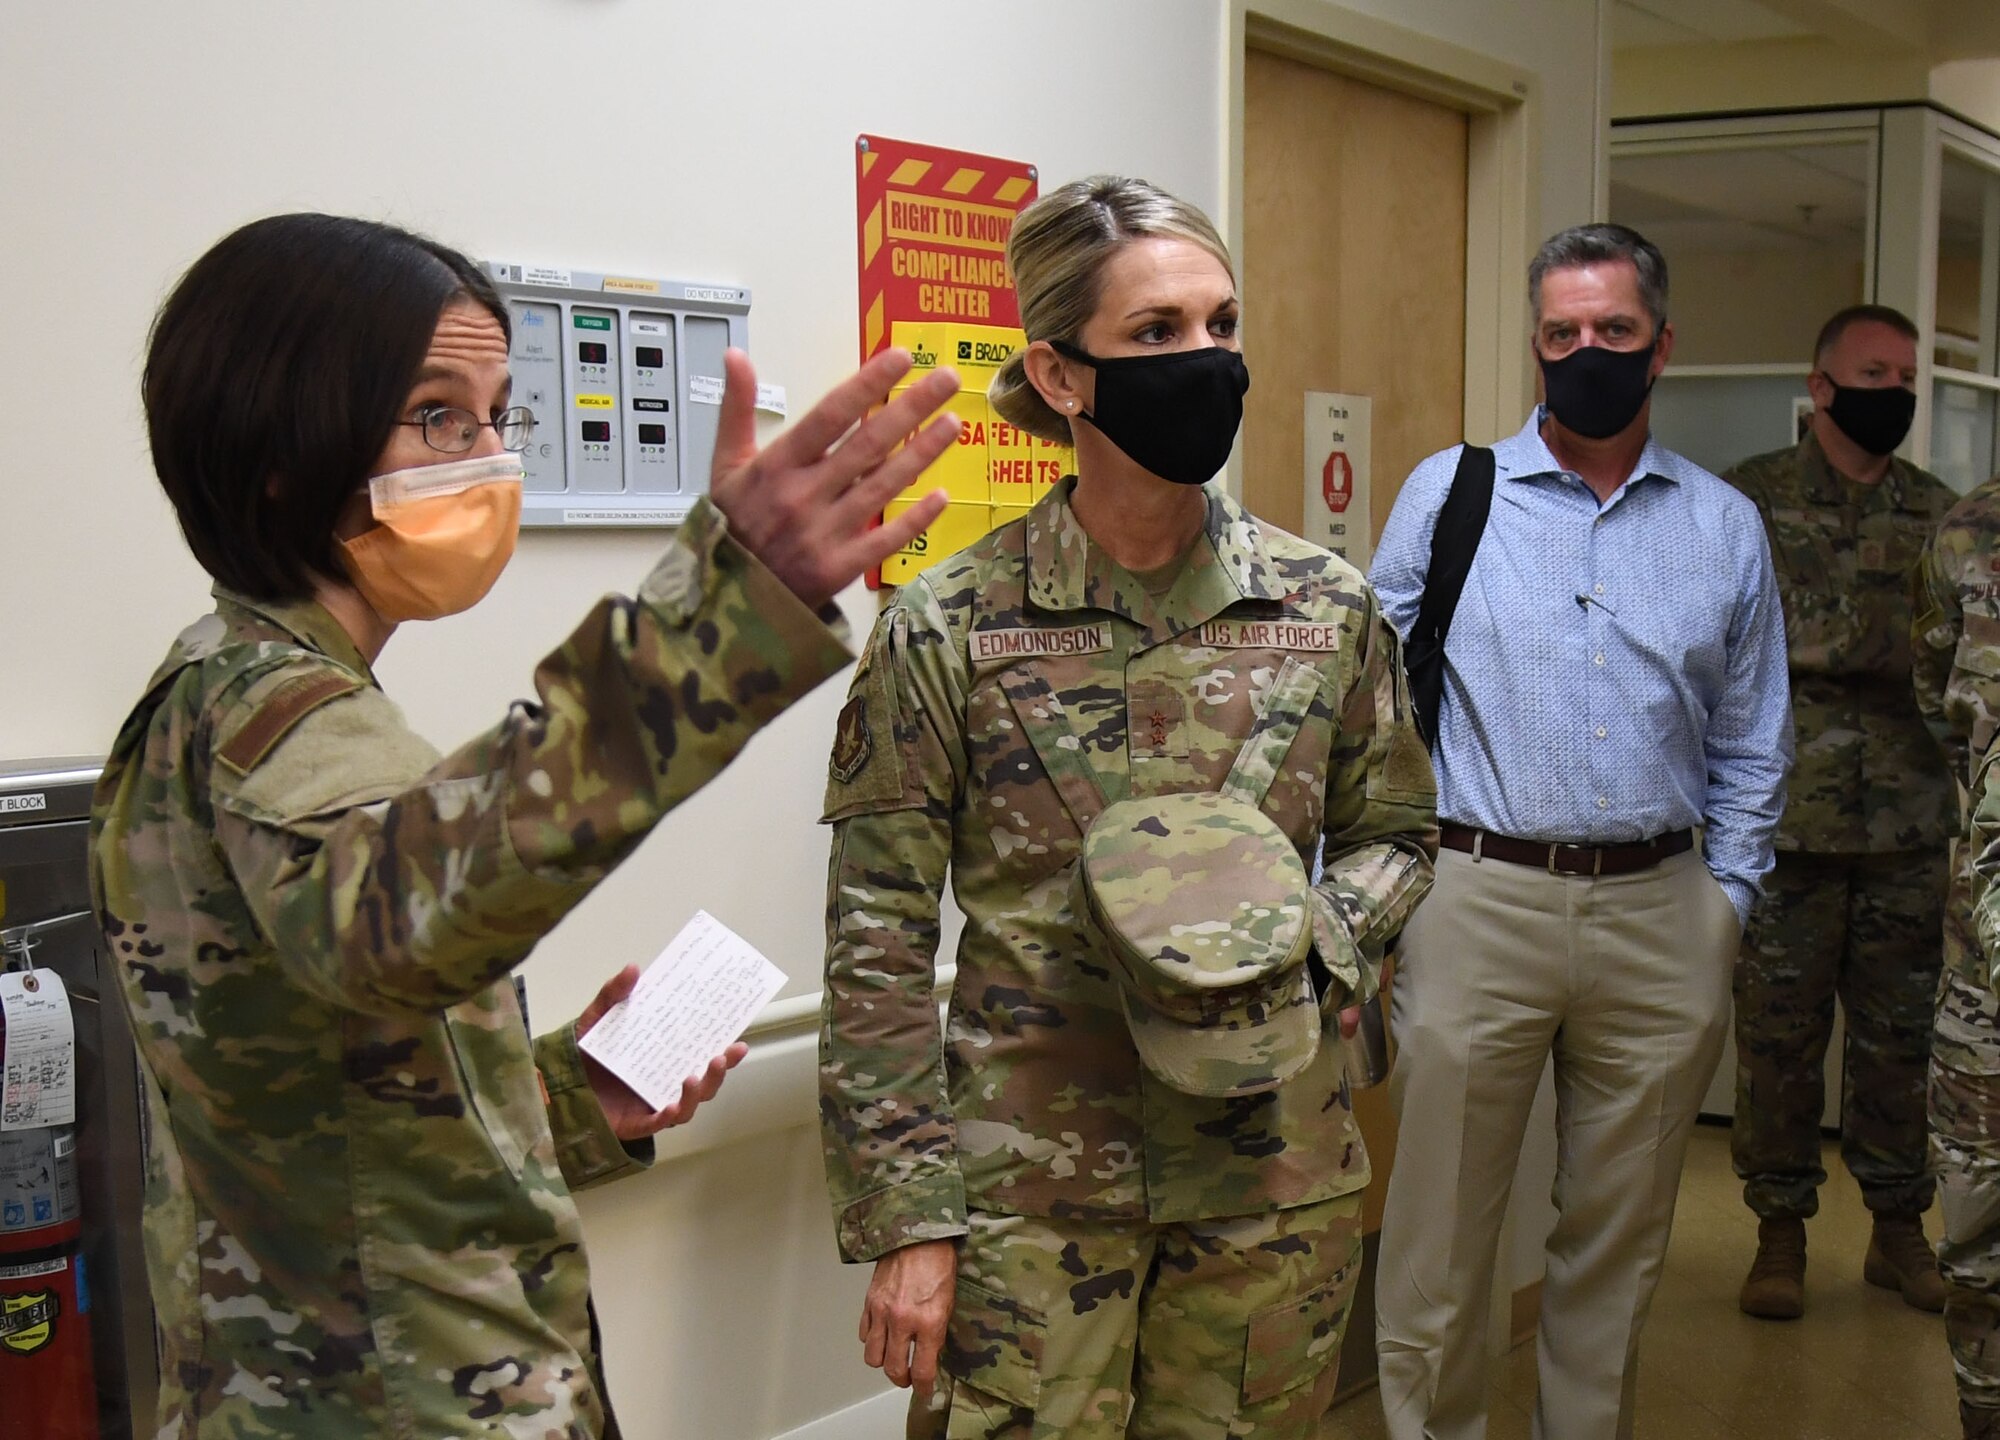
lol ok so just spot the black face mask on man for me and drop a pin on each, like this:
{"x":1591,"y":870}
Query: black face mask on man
{"x":1596,"y":392}
{"x":1176,"y":415}
{"x":1874,"y":418}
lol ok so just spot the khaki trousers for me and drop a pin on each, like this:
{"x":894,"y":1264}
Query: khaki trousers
{"x":1624,"y":980}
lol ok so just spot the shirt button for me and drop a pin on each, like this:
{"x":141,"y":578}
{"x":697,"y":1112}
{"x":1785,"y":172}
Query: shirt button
{"x":1602,"y":803}
{"x":1597,"y":590}
{"x":1600,"y":732}
{"x":1597,"y":659}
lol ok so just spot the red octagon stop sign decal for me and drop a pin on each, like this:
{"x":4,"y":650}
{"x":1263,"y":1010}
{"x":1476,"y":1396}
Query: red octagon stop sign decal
{"x":1337,"y":482}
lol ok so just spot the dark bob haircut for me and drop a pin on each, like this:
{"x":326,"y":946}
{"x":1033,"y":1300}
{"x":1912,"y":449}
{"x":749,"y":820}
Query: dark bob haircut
{"x":275,"y":375}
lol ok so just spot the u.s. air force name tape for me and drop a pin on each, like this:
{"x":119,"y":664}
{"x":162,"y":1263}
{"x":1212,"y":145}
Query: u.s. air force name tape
{"x":1299,"y":636}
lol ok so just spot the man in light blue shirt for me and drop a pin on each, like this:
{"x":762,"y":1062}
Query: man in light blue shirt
{"x":1614,"y":682}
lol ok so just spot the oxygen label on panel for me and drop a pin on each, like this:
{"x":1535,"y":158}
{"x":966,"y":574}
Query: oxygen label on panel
{"x":611,"y":517}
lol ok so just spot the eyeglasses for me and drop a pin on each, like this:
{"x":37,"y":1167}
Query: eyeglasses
{"x":453,"y":431}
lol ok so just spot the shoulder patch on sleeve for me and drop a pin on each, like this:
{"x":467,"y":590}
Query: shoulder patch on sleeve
{"x":276,"y":712}
{"x":869,"y":770}
{"x":853,"y":741}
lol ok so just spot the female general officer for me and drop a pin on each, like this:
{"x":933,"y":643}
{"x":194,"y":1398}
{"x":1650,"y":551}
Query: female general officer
{"x":358,"y":1213}
{"x":1126,"y":1183}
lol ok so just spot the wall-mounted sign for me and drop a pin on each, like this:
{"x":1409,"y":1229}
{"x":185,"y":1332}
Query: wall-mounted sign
{"x":932,"y":247}
{"x":1337,"y":491}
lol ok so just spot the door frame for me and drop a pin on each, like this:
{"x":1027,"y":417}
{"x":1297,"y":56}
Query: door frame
{"x":1502,"y":203}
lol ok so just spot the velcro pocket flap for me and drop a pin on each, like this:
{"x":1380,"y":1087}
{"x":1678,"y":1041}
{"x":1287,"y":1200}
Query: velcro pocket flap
{"x":1293,"y":1342}
{"x":994,"y":1345}
{"x":274,"y":709}
{"x":1976,"y":657}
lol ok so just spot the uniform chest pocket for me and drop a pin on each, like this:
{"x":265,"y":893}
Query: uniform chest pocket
{"x":1907,"y":537}
{"x":1045,"y":741}
{"x":1804,"y":549}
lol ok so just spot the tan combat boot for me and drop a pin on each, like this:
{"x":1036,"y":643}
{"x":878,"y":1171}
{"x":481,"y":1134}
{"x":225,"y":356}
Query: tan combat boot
{"x":1899,"y":1258}
{"x":1776,"y":1289}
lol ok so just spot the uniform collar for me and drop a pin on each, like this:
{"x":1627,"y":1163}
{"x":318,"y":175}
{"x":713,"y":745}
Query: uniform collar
{"x":1228,"y":563}
{"x":306,"y":621}
{"x":1825,"y":485}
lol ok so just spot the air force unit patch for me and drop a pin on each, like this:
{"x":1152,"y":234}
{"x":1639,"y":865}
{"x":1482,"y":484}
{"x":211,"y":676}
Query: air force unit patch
{"x":852,"y":742}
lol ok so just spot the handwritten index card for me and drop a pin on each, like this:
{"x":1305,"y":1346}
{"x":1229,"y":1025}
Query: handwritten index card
{"x":700,"y":994}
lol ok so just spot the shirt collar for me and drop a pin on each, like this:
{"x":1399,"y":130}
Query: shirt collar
{"x":306,"y":621}
{"x":1530,"y":458}
{"x":1228,"y":563}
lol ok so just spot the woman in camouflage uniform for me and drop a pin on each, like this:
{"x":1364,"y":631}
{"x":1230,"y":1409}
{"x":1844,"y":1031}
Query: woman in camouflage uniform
{"x":1122,"y":1196}
{"x":358,"y":1212}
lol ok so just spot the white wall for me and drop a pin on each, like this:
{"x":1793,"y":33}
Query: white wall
{"x":697,"y":141}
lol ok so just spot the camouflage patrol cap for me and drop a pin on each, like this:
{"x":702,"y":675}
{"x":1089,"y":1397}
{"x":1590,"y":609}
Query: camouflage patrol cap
{"x":1199,"y":901}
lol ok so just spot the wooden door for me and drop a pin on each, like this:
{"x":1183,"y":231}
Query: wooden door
{"x":1353,"y":280}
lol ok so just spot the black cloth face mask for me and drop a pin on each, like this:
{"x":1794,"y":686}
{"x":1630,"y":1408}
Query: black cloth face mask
{"x":1874,"y":418}
{"x":1176,"y":415}
{"x":1597,"y":392}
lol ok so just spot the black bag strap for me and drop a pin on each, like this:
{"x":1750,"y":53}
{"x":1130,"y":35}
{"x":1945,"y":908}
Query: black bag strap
{"x":1460,"y":523}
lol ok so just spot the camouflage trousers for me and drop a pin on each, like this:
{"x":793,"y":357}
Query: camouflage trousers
{"x":1965,"y":1125}
{"x":1091,"y":1330}
{"x":1866,"y":929}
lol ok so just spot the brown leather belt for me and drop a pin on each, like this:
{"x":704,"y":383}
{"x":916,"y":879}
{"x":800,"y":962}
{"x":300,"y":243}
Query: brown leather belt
{"x":1560,"y":859}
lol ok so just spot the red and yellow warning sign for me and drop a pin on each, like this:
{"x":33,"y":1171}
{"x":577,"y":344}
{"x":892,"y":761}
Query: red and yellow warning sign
{"x":932,"y":228}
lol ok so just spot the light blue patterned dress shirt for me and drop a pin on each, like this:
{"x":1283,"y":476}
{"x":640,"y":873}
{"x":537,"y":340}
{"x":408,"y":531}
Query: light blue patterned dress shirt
{"x":1613,"y":672}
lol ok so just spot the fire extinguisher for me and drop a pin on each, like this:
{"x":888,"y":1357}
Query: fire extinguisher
{"x":45,"y":1354}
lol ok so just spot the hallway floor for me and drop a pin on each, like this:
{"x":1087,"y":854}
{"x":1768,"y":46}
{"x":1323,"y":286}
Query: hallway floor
{"x":1860,"y":1364}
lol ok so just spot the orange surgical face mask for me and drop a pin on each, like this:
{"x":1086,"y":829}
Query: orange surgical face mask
{"x":442,"y":535}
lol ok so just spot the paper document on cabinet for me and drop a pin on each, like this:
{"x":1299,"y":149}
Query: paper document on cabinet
{"x":697,"y":996}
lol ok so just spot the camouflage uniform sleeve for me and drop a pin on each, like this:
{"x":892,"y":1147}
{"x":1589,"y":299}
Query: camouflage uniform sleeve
{"x":1937,"y":620}
{"x":1381,"y":837}
{"x":389,"y":884}
{"x":588,"y":1149}
{"x":1984,"y":843}
{"x":898,"y":766}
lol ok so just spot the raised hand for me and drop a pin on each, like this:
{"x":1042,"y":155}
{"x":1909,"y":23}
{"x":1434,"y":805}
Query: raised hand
{"x":806,"y":503}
